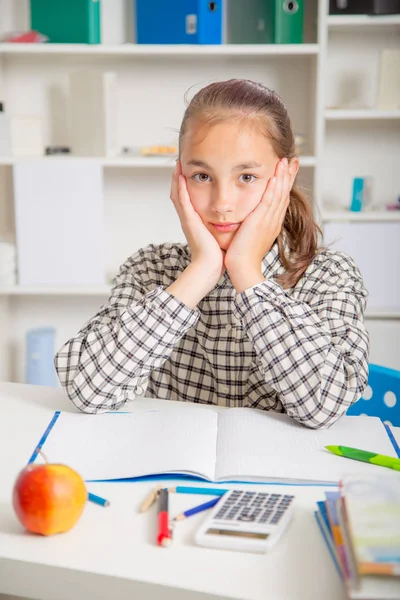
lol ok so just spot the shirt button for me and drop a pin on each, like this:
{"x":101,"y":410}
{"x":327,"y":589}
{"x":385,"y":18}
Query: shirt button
{"x":224,"y":389}
{"x":228,"y":327}
{"x":138,"y":390}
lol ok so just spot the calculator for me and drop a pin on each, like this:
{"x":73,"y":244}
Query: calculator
{"x":246,"y":521}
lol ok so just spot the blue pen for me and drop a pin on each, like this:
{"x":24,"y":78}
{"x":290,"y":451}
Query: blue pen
{"x":98,"y":500}
{"x":197,"y":490}
{"x":196,"y":509}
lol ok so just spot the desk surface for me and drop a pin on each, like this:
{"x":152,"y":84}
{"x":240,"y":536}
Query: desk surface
{"x":111,"y":552}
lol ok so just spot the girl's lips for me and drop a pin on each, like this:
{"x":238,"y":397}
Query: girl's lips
{"x":225,"y":226}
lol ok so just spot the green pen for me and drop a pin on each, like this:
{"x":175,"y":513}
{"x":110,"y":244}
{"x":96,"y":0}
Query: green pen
{"x":371,"y":457}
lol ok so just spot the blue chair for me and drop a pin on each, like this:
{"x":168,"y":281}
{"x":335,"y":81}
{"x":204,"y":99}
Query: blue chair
{"x":381,"y":397}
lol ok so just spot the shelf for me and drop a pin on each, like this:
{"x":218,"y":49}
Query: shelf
{"x":161,"y":50}
{"x":333,"y":114}
{"x":346,"y":215}
{"x":154,"y":162}
{"x":381,"y":314}
{"x":62,"y":290}
{"x":348,"y":21}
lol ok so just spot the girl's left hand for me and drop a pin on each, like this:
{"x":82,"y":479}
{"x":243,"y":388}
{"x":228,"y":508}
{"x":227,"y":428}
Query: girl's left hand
{"x":261,"y":227}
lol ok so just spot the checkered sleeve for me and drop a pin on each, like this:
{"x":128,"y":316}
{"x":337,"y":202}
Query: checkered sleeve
{"x":312,"y":349}
{"x":134,"y":333}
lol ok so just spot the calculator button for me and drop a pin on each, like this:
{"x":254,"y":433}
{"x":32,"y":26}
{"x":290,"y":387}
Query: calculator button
{"x":246,"y":518}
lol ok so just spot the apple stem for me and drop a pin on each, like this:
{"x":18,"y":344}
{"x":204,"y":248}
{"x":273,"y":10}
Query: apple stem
{"x":42,"y":454}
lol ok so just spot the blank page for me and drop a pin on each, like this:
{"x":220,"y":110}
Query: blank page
{"x":254,"y":445}
{"x":123,"y":445}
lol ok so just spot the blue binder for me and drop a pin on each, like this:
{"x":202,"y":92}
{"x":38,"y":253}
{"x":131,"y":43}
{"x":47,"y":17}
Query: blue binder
{"x":179,"y":22}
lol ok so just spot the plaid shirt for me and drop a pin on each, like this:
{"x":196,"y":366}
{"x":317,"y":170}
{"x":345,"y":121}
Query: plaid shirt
{"x":303,"y":351}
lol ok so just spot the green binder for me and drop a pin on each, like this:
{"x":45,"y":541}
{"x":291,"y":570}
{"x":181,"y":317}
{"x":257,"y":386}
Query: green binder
{"x":67,"y":21}
{"x":264,"y":21}
{"x":288,"y":21}
{"x":249,"y":22}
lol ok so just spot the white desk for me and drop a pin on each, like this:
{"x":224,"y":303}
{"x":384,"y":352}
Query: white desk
{"x":111,"y":552}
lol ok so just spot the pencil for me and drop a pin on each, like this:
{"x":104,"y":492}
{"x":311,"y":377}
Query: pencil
{"x":197,"y":490}
{"x":98,"y":500}
{"x":197,"y":509}
{"x":150,"y":499}
{"x":164,"y":533}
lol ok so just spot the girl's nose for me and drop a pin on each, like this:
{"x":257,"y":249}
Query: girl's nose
{"x":222,"y":203}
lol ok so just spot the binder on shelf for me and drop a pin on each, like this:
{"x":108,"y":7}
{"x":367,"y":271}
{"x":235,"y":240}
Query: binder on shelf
{"x":249,"y":22}
{"x":93,"y":113}
{"x":260,"y":22}
{"x":59,"y":222}
{"x":67,"y":21}
{"x":179,"y":22}
{"x":288,"y":21}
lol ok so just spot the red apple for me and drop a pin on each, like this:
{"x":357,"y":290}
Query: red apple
{"x":49,"y":498}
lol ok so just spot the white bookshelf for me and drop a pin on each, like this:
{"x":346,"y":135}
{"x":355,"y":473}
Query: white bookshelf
{"x":152,"y":84}
{"x":357,"y":21}
{"x":180,"y":50}
{"x":363,"y":114}
{"x":371,"y":216}
{"x":101,"y":291}
{"x":139,"y":162}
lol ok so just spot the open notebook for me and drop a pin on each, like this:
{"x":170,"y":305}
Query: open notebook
{"x":238,"y":444}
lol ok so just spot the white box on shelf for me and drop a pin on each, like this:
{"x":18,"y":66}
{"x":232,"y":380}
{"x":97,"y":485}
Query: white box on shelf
{"x":26,"y":136}
{"x":59,"y":223}
{"x":378,"y":261}
{"x":389,"y":80}
{"x":93,"y":113}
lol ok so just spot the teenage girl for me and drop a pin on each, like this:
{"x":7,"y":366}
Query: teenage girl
{"x":251,"y":312}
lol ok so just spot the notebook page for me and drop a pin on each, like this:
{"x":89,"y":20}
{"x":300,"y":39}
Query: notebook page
{"x":122,"y":445}
{"x":257,"y":445}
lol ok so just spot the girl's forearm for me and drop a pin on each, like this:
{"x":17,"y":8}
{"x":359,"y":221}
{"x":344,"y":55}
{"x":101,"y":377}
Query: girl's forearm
{"x":193,"y":284}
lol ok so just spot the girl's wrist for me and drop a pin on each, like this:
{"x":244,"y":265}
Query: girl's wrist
{"x":193,"y":284}
{"x":204,"y":271}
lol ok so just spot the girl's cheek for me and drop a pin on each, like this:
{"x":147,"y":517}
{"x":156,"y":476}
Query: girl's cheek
{"x":251,"y":198}
{"x":198,"y":199}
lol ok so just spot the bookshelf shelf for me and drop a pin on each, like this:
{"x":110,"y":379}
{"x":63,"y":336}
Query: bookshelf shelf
{"x":351,"y":21}
{"x":360,"y":114}
{"x":132,"y":162}
{"x":164,"y":50}
{"x":20,"y":290}
{"x":372,"y":216}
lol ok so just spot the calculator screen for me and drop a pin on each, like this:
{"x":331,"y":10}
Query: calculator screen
{"x":239,"y":534}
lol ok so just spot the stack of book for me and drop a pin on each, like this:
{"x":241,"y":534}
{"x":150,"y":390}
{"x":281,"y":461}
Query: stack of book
{"x":360,"y":524}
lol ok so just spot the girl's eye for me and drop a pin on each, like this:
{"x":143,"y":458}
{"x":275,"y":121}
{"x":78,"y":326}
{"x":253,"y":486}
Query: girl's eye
{"x":247,"y":178}
{"x":201,"y":177}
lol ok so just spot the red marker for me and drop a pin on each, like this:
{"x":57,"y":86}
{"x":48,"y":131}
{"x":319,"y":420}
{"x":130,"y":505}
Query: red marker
{"x":164,"y":535}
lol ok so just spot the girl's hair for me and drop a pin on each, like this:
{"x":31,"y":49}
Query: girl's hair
{"x":252,"y":102}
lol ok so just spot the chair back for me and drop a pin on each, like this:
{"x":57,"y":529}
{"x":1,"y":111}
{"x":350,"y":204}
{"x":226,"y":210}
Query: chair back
{"x":381,"y":397}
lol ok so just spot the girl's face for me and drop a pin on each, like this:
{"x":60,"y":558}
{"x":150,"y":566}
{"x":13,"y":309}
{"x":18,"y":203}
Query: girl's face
{"x":227,"y":168}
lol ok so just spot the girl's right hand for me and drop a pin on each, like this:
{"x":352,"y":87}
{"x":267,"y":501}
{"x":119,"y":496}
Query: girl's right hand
{"x":204,"y":248}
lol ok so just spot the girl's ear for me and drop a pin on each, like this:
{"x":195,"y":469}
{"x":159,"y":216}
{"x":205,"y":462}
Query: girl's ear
{"x":293,"y":170}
